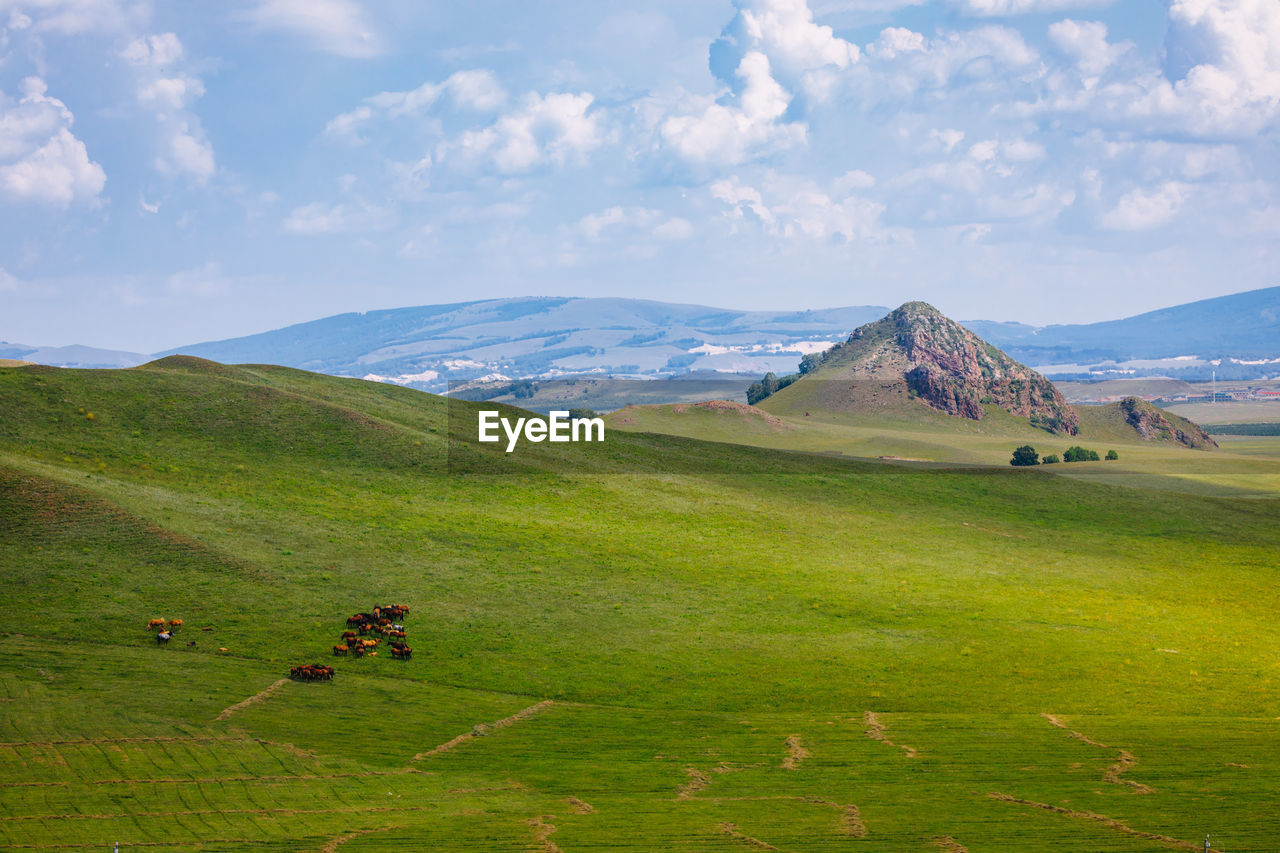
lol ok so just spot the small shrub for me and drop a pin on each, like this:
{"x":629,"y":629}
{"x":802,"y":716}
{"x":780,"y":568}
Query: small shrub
{"x":1050,"y":459}
{"x":1111,"y":454}
{"x":1077,"y":453}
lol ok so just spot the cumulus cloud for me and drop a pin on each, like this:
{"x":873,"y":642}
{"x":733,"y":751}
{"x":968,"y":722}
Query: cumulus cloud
{"x":477,"y":90}
{"x":339,"y":27}
{"x":902,"y":62}
{"x":1141,"y":209}
{"x":182,"y":145}
{"x":803,"y":54}
{"x":556,"y":128}
{"x":1235,"y":81}
{"x":1222,"y":79}
{"x":40,"y":159}
{"x":800,"y":209}
{"x":1086,"y":43}
{"x":732,"y":133}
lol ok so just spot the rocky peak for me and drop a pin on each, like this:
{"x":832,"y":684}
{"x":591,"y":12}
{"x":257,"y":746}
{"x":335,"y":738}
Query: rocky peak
{"x":950,"y":368}
{"x":1154,"y":425}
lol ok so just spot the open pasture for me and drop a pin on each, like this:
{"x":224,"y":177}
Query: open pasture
{"x":655,"y":643}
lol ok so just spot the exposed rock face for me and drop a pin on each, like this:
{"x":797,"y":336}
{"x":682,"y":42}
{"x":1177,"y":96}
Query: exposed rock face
{"x":1153,"y":425}
{"x":951,"y":369}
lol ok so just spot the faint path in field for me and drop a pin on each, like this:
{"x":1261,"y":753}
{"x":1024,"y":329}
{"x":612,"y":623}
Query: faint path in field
{"x":254,"y":699}
{"x":332,"y":846}
{"x":542,"y":834}
{"x":1125,"y":761}
{"x":1109,"y":822}
{"x":731,"y":830}
{"x":796,"y":753}
{"x":876,"y":731}
{"x":697,"y":781}
{"x":580,"y":807}
{"x":485,"y":728}
{"x":947,"y":844}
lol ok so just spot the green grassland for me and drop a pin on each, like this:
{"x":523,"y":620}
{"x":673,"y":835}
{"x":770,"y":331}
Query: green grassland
{"x":903,"y":430}
{"x":657,"y":643}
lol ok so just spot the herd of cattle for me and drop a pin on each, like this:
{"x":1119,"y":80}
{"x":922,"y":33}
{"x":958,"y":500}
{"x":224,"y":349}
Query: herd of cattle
{"x":166,"y":631}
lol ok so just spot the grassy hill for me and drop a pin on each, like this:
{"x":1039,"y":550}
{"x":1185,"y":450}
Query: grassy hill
{"x":655,"y":643}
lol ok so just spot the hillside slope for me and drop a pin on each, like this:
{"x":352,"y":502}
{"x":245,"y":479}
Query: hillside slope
{"x":1239,"y":325}
{"x":653,"y":642}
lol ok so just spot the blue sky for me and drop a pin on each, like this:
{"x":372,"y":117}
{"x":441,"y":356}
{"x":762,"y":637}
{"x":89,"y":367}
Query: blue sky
{"x":176,"y":172}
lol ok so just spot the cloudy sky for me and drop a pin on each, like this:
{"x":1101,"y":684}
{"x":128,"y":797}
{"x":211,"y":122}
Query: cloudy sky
{"x":175,"y":172}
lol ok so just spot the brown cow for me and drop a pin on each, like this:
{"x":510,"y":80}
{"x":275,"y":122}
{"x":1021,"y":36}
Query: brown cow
{"x":339,"y":650}
{"x":402,"y":653}
{"x":175,"y":624}
{"x":155,"y":623}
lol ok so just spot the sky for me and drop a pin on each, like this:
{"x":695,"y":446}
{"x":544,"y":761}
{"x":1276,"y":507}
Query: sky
{"x":179,"y":172}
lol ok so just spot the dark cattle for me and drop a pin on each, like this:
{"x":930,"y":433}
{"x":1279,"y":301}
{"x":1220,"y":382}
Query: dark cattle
{"x":403,"y":653}
{"x":399,"y":635}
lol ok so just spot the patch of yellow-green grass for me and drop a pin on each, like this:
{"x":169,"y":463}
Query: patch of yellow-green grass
{"x":1228,"y":412}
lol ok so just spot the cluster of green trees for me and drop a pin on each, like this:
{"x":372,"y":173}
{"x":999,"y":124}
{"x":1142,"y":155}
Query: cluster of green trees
{"x":768,"y":386}
{"x":1027,"y":455}
{"x":772,"y":383}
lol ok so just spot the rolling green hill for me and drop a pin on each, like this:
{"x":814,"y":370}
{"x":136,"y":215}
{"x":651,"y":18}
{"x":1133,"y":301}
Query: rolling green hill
{"x":656,"y":643}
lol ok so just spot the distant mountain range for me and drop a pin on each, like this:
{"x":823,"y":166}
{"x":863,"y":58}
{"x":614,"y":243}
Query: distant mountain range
{"x":536,"y":337}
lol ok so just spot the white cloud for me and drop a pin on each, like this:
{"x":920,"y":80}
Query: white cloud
{"x":993,"y":8}
{"x":157,"y":50}
{"x":477,"y":90}
{"x":75,"y":17}
{"x":1139,"y":209}
{"x":634,"y":219}
{"x":994,"y":53}
{"x":1086,"y":43}
{"x":895,"y":40}
{"x":40,"y":159}
{"x":948,"y":138}
{"x":321,"y":218}
{"x":182,"y":147}
{"x":675,"y":228}
{"x":732,"y":134}
{"x":799,"y":208}
{"x":8,"y":282}
{"x":339,"y":27}
{"x":556,"y":128}
{"x":1229,"y":53}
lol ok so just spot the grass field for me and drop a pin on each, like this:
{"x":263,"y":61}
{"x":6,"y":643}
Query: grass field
{"x":657,"y":643}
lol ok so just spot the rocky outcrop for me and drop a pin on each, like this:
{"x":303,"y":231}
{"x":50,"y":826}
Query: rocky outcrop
{"x":951,"y":369}
{"x":1154,"y":425}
